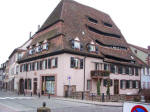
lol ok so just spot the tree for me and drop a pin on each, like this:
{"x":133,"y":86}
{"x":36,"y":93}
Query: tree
{"x":108,"y":86}
{"x":98,"y":87}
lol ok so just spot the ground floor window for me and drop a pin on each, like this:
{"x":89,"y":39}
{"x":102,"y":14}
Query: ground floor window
{"x":48,"y":84}
{"x":88,"y":84}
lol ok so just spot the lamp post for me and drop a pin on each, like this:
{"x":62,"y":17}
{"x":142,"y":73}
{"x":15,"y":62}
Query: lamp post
{"x":84,"y":80}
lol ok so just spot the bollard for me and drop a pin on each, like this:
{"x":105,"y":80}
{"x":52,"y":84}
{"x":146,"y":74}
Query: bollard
{"x":82,"y":95}
{"x":24,"y":94}
{"x":39,"y":95}
{"x":44,"y":108}
{"x":103,"y":99}
{"x":92,"y":96}
{"x":31,"y":94}
{"x":48,"y":96}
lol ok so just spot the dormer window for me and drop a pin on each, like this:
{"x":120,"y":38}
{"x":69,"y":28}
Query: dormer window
{"x":38,"y":48}
{"x":76,"y":43}
{"x":92,"y":47}
{"x":45,"y":46}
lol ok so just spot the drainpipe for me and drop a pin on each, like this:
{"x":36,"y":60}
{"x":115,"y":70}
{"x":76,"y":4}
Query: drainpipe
{"x":84,"y":80}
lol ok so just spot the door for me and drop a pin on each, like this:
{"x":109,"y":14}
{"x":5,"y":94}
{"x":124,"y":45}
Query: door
{"x":35,"y":87}
{"x":116,"y":86}
{"x":21,"y":86}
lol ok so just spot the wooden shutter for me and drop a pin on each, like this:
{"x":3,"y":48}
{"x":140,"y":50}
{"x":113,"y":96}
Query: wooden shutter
{"x":46,"y":64}
{"x":81,"y":63}
{"x":72,"y":64}
{"x":49,"y":63}
{"x":56,"y":62}
{"x":121,"y":84}
{"x":96,"y":48}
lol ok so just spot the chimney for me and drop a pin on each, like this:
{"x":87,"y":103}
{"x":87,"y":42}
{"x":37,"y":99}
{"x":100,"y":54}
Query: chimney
{"x":30,"y":34}
{"x":38,"y":27}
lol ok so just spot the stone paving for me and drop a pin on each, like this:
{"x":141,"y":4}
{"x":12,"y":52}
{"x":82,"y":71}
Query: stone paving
{"x":10,"y":102}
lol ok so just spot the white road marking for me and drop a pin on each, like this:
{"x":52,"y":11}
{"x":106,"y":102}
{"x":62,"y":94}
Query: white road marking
{"x":20,"y":98}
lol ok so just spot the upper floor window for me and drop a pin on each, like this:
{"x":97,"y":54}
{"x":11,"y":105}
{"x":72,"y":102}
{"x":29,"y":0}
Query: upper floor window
{"x":92,"y":20}
{"x":76,"y":43}
{"x":127,"y":70}
{"x":120,"y":69}
{"x":136,"y":72}
{"x":54,"y":62}
{"x":76,"y":63}
{"x":45,"y":46}
{"x":112,"y":68}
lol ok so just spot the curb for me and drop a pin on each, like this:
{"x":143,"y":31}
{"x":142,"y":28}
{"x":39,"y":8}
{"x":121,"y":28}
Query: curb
{"x":93,"y":103}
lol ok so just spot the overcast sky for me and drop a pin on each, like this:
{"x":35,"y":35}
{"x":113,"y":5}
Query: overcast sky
{"x":19,"y":17}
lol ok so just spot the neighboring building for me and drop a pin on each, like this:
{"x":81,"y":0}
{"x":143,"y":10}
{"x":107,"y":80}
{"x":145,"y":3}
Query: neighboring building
{"x":15,"y":56}
{"x":75,"y":47}
{"x":144,"y":55}
{"x":3,"y":74}
{"x":1,"y":77}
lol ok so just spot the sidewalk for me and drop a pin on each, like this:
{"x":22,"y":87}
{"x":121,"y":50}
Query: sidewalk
{"x":113,"y":104}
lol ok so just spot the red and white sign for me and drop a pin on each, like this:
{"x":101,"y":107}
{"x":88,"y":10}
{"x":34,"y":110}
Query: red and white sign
{"x":136,"y":107}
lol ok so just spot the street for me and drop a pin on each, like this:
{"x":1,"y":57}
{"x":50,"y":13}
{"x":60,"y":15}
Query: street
{"x":10,"y":102}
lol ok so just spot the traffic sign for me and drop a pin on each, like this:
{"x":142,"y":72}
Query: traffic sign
{"x":139,"y":108}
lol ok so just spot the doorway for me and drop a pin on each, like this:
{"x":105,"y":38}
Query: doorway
{"x":116,"y":86}
{"x":35,"y":86}
{"x":21,"y":86}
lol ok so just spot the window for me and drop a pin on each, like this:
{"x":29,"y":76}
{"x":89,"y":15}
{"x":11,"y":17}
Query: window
{"x":96,"y":66}
{"x":54,"y":62}
{"x":136,"y":72}
{"x":135,"y":51}
{"x":103,"y":33}
{"x":120,"y":69}
{"x":31,"y":51}
{"x":123,"y":84}
{"x":147,"y":71}
{"x":92,"y":48}
{"x":105,"y":82}
{"x":33,"y":66}
{"x":126,"y":70}
{"x":37,"y":65}
{"x":88,"y":84}
{"x":45,"y":46}
{"x":41,"y":63}
{"x":45,"y":64}
{"x":131,"y":85}
{"x":107,"y":24}
{"x":132,"y":70}
{"x":137,"y":84}
{"x":49,"y":63}
{"x":105,"y":66}
{"x":29,"y":84}
{"x":92,"y":20}
{"x":112,"y":68}
{"x":76,"y":63}
{"x":134,"y":84}
{"x":143,"y":70}
{"x":127,"y":84}
{"x":77,"y":44}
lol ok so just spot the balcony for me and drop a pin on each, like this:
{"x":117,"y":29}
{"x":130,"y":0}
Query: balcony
{"x":100,"y":74}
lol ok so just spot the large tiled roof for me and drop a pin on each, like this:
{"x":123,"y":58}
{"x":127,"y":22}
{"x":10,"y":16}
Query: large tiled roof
{"x":76,"y":23}
{"x":139,"y":48}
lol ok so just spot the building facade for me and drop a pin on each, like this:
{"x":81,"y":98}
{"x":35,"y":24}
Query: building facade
{"x":144,"y":55}
{"x":72,"y":51}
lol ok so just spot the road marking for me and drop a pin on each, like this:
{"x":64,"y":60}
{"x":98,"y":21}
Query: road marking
{"x":20,"y":98}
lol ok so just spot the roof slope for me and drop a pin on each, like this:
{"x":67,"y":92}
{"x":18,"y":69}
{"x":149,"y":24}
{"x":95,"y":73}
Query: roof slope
{"x":76,"y":19}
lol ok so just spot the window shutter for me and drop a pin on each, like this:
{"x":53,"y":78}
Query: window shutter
{"x":88,"y":47}
{"x":56,"y":61}
{"x":105,"y":82}
{"x":111,"y":83}
{"x":121,"y":84}
{"x":37,"y":65}
{"x":49,"y":63}
{"x":81,"y":47}
{"x":127,"y":84}
{"x":26,"y":67}
{"x":81,"y":63}
{"x":72,"y":64}
{"x":45,"y":64}
{"x":96,"y":48}
{"x":72,"y":44}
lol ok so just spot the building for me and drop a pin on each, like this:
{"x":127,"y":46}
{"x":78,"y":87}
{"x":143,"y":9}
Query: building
{"x":13,"y":69}
{"x":76,"y":47}
{"x":144,"y":55}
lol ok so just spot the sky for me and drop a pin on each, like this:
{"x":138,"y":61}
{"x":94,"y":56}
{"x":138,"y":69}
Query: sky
{"x":19,"y":17}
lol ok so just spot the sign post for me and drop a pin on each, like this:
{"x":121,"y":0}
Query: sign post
{"x":69,"y":92}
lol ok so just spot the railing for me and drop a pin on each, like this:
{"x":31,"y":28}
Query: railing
{"x":100,"y":73}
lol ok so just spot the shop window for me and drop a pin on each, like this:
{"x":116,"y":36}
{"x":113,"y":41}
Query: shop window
{"x":88,"y":84}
